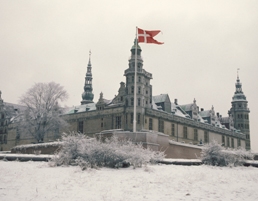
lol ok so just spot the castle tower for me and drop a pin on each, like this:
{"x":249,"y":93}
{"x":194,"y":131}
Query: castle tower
{"x":240,"y":112}
{"x":87,"y":95}
{"x":1,"y":102}
{"x":144,"y":89}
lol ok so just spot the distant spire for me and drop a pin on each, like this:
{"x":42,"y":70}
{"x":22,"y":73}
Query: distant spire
{"x":90,"y":57}
{"x":87,"y":95}
{"x":238,"y":74}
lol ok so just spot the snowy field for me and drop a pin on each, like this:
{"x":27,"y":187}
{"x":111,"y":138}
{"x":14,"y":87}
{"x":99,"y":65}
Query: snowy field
{"x":37,"y":181}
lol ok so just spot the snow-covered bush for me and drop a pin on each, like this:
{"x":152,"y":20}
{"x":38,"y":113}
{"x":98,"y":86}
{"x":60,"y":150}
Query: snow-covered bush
{"x":216,"y":155}
{"x":92,"y":153}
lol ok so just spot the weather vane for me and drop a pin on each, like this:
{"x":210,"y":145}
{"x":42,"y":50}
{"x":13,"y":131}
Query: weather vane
{"x":238,"y":72}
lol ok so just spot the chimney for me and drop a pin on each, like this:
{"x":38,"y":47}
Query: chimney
{"x":217,"y":114}
{"x":175,"y":101}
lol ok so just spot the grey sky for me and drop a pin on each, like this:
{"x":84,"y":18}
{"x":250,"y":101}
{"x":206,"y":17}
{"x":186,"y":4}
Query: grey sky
{"x":205,"y":43}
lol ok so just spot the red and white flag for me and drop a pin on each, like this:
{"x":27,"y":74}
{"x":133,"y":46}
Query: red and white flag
{"x":145,"y":36}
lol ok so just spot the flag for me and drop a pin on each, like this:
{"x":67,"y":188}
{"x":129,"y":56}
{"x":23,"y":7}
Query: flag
{"x":145,"y":36}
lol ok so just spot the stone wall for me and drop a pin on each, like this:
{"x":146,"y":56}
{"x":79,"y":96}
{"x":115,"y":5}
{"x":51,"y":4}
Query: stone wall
{"x":42,"y":148}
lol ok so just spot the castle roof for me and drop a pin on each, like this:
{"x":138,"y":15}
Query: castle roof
{"x":160,"y":98}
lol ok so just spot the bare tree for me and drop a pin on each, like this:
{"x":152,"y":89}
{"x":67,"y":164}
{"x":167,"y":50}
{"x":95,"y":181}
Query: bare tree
{"x":42,"y":113}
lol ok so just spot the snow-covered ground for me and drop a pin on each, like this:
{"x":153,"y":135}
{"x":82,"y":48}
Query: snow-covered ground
{"x":37,"y":181}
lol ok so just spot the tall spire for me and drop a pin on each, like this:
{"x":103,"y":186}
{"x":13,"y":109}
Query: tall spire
{"x":87,"y":95}
{"x":240,"y":112}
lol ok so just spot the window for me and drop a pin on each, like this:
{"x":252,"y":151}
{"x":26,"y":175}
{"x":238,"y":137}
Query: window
{"x":139,"y":90}
{"x":131,"y":118}
{"x":139,"y":79}
{"x":185,"y":132}
{"x":232,"y":143}
{"x":132,"y":89}
{"x":126,"y":118}
{"x":138,"y":118}
{"x":173,"y":129}
{"x":102,"y":124}
{"x":132,"y":100}
{"x":150,"y":124}
{"x":161,"y":126}
{"x":118,"y":122}
{"x":139,"y":102}
{"x":238,"y":142}
{"x":196,"y":134}
{"x":223,"y":140}
{"x":132,"y":78}
{"x":5,"y":139}
{"x":146,"y":91}
{"x":80,"y":126}
{"x":1,"y":139}
{"x":228,"y":143}
{"x":206,"y":137}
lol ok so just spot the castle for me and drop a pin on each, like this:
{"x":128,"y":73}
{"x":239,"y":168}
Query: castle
{"x":187,"y":123}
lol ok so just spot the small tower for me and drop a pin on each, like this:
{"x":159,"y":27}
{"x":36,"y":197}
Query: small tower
{"x":240,"y":112}
{"x":87,"y":95}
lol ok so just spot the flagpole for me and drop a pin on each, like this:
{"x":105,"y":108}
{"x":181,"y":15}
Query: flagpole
{"x":135,"y":77}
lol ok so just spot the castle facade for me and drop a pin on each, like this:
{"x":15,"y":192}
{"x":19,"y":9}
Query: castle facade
{"x":186,"y":123}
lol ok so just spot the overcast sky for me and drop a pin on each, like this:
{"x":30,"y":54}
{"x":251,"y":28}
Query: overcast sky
{"x":205,"y":43}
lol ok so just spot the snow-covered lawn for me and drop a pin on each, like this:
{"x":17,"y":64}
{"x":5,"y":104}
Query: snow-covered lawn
{"x":37,"y":181}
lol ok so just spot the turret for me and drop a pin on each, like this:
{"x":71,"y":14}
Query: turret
{"x":87,"y":95}
{"x":240,"y":112}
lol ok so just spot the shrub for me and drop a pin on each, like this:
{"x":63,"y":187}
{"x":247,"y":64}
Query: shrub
{"x":216,"y":155}
{"x":92,"y":153}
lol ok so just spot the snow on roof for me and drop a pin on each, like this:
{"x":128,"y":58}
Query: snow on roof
{"x":177,"y":110}
{"x":205,"y":113}
{"x":154,"y":106}
{"x":107,"y":101}
{"x":81,"y":108}
{"x":187,"y":107}
{"x":16,"y":107}
{"x":160,"y":98}
{"x":200,"y":119}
